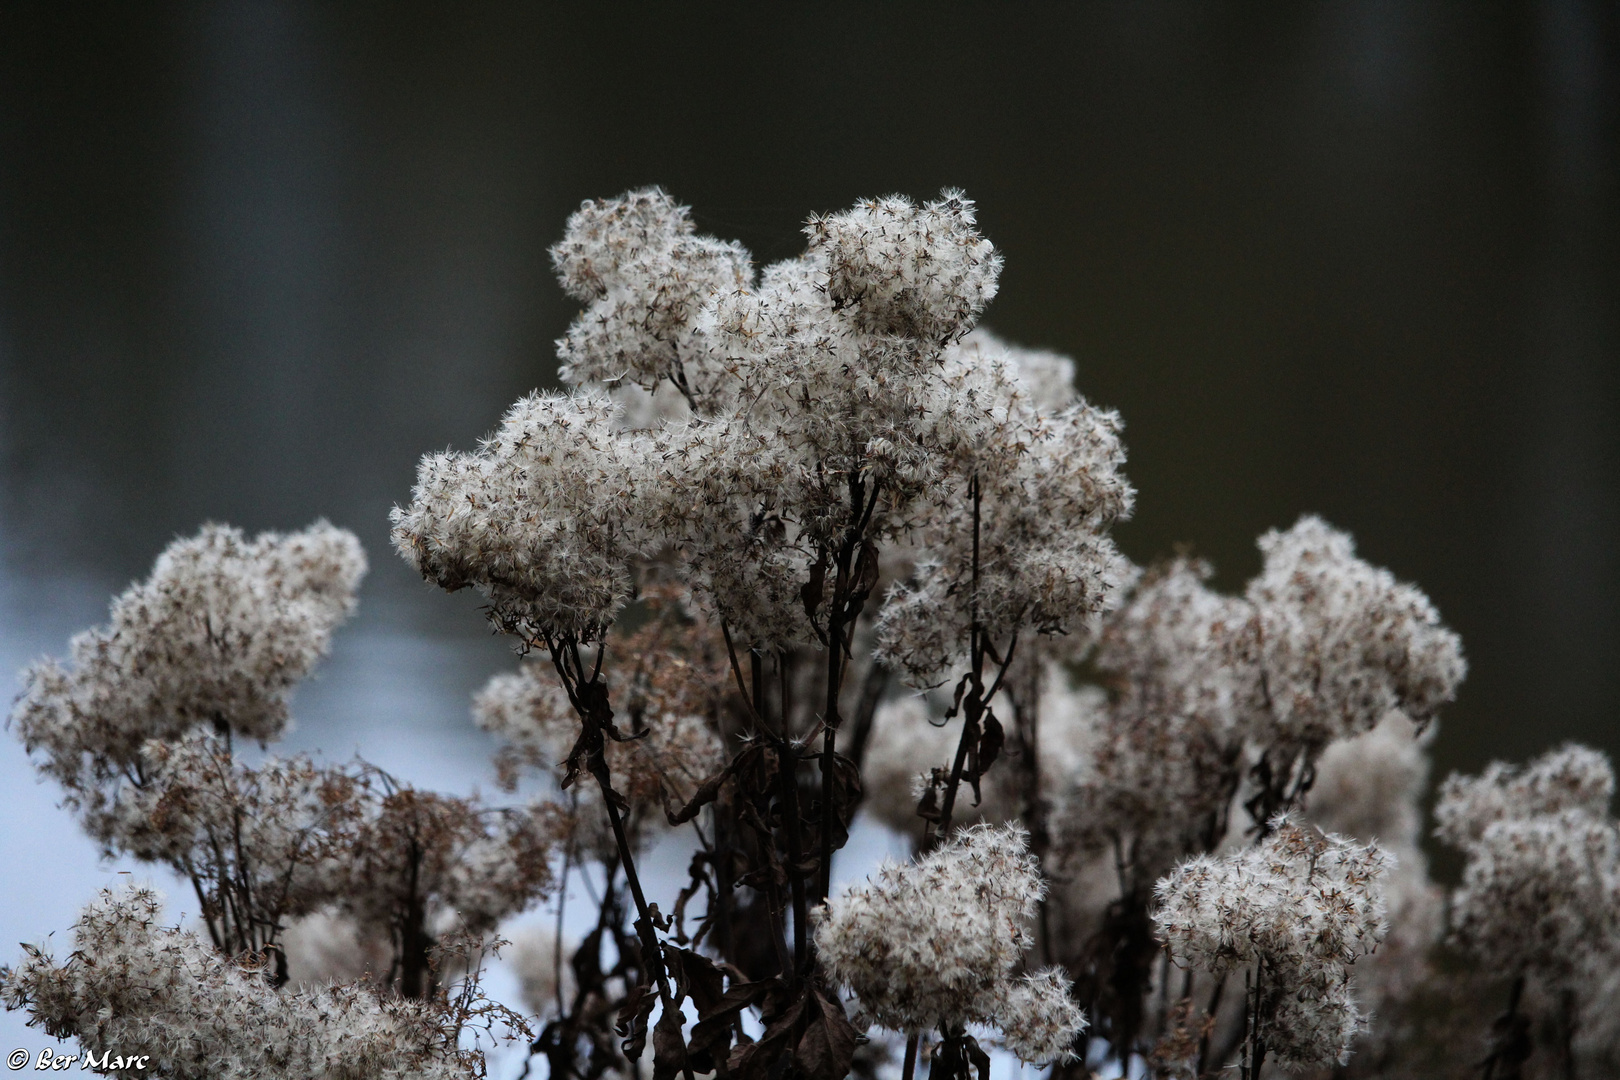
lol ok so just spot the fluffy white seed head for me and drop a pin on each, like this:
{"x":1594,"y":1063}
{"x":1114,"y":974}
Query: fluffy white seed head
{"x":1341,"y":642}
{"x":644,"y":274}
{"x":921,"y":272}
{"x":542,"y":518}
{"x":134,"y":988}
{"x":1046,"y":378}
{"x":1169,"y":747}
{"x":1044,"y":490}
{"x":1301,"y":893}
{"x":1541,"y":888}
{"x":213,"y":642}
{"x":1371,"y":786}
{"x":1570,"y":778}
{"x":935,"y":941}
{"x":1301,"y":907}
{"x":216,"y":638}
{"x":1038,"y":1018}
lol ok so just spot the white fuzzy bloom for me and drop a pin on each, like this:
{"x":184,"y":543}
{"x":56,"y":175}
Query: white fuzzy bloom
{"x":1570,"y":778}
{"x":1046,"y":378}
{"x":735,"y":499}
{"x":275,"y":837}
{"x":1341,"y":642}
{"x":542,"y":519}
{"x":935,"y":941}
{"x":1316,"y":1018}
{"x":1038,"y":1018}
{"x":919,"y":272}
{"x":1302,"y":906}
{"x":1049,"y":487}
{"x":644,"y":274}
{"x":1169,"y":749}
{"x":213,"y":642}
{"x":648,"y":410}
{"x":823,"y":378}
{"x":216,"y":638}
{"x":133,"y":988}
{"x":1371,"y":787}
{"x":1541,"y":889}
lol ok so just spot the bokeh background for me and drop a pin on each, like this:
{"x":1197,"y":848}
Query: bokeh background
{"x":1357,"y":259}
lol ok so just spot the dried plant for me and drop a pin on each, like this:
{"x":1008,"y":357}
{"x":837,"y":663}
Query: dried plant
{"x":794,"y":541}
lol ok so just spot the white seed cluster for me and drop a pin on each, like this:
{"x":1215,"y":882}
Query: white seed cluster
{"x":1015,"y":534}
{"x":1341,"y":642}
{"x":540,"y":519}
{"x":140,"y":727}
{"x":1371,"y":787}
{"x":135,"y":988}
{"x":836,"y":393}
{"x":1299,"y":908}
{"x":1319,"y":649}
{"x":917,"y":272}
{"x":1540,"y":893}
{"x":216,"y":638}
{"x":934,"y":943}
{"x":644,"y":274}
{"x":214,"y":641}
{"x":1175,"y":727}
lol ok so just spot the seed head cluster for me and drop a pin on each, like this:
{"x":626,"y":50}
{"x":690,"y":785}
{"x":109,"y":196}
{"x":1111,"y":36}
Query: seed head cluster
{"x":1341,"y":642}
{"x":133,"y":987}
{"x":1301,"y":907}
{"x":764,"y":496}
{"x":934,"y":943}
{"x":1540,"y":893}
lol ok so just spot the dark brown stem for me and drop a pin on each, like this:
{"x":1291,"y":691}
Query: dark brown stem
{"x":415,"y":973}
{"x":652,"y":962}
{"x":562,"y":904}
{"x":594,"y":714}
{"x":1211,"y":1010}
{"x":873,"y":684}
{"x":971,"y":709}
{"x":1257,"y":1042}
{"x":974,"y":707}
{"x":848,"y":599}
{"x":909,"y":1070}
{"x":787,"y":778}
{"x":722,"y":878}
{"x":1566,"y":1001}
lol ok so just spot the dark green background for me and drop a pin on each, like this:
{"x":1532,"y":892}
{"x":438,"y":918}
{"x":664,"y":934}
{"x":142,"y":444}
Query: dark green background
{"x":1355,"y":258}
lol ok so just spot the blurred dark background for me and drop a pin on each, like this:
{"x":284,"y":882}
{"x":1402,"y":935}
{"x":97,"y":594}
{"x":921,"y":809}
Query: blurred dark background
{"x":1357,"y":259}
